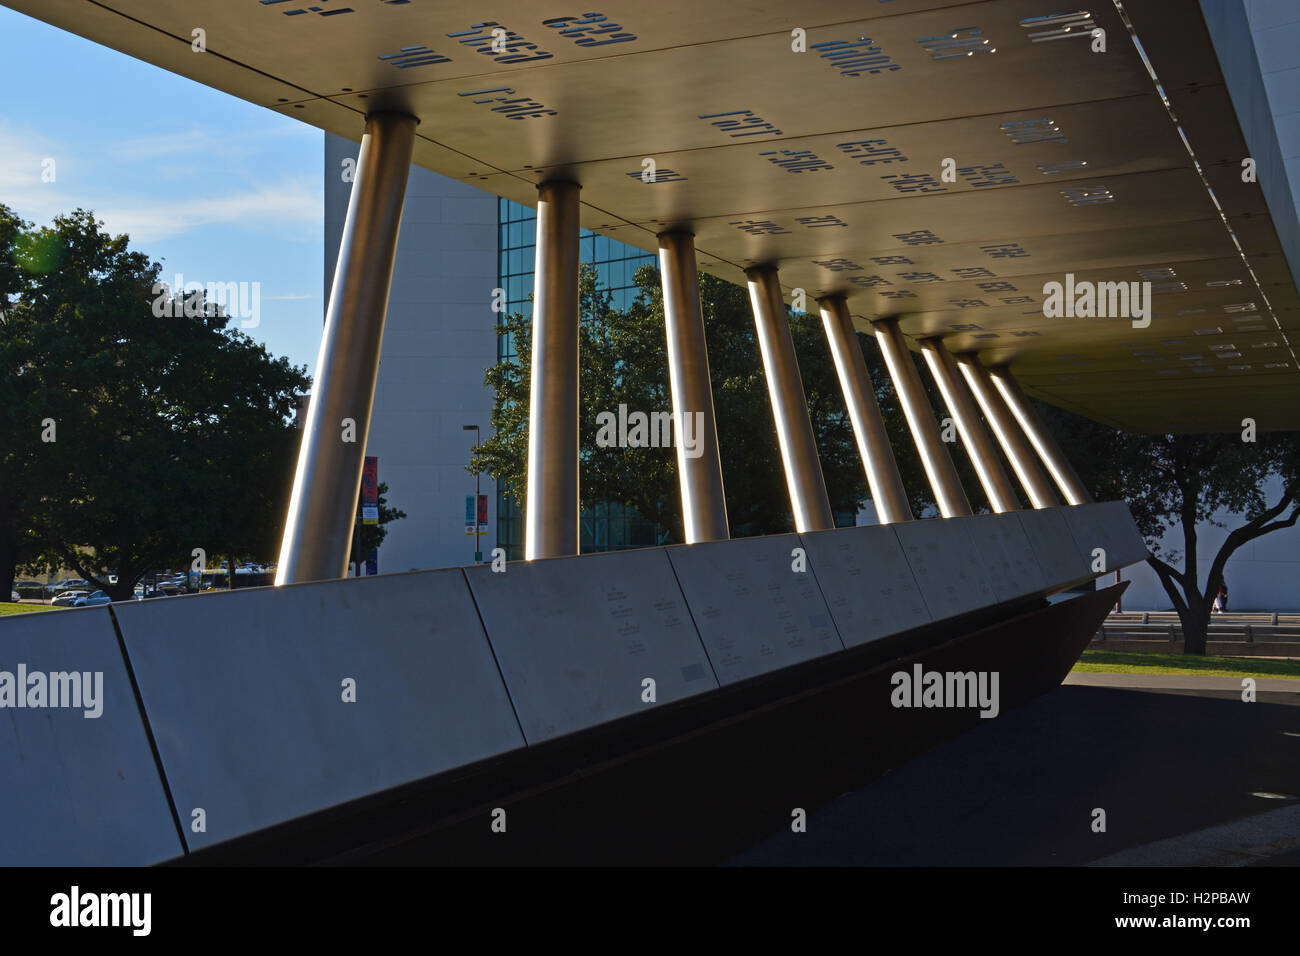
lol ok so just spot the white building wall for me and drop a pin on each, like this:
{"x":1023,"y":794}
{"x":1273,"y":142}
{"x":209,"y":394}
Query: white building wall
{"x":439,"y":338}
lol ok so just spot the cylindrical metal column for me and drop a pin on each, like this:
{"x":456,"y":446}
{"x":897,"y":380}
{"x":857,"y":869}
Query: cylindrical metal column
{"x":699,"y":470}
{"x":1058,"y":466}
{"x":887,"y":491}
{"x":993,"y":477}
{"x":936,"y":461}
{"x":551,"y":512}
{"x":794,"y":433}
{"x":1009,"y":435}
{"x":322,"y":509}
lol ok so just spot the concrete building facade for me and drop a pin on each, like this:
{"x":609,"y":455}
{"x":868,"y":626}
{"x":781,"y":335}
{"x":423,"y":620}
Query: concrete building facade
{"x":439,"y":338}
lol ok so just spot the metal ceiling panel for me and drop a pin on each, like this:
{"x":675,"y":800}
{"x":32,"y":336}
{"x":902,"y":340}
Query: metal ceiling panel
{"x":828,"y":163}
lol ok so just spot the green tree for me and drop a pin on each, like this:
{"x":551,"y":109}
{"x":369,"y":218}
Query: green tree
{"x":19,"y":432}
{"x":169,"y":432}
{"x":1175,"y":483}
{"x":623,"y":361}
{"x":372,"y":535}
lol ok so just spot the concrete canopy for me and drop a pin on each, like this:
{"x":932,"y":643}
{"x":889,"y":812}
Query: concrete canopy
{"x":829,"y":163}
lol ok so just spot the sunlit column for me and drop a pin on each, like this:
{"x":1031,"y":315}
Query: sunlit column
{"x":699,"y":467}
{"x":322,"y":510}
{"x":939,"y":469}
{"x":887,"y":491}
{"x":794,"y":433}
{"x":551,"y":512}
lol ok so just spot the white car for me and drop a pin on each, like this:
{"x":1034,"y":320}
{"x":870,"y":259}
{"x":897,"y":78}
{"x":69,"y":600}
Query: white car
{"x":13,"y":596}
{"x":68,"y":598}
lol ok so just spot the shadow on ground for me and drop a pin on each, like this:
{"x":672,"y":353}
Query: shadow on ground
{"x":1021,"y":789}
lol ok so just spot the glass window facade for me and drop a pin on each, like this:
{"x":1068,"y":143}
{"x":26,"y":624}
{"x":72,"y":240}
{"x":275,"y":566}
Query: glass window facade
{"x":606,"y":526}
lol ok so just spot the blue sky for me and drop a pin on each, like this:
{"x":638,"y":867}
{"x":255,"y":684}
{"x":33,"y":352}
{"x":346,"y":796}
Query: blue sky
{"x":216,"y":189}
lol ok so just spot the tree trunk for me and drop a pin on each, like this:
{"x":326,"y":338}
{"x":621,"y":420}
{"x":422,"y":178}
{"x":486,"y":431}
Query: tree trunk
{"x":1195,"y":620}
{"x":8,"y":569}
{"x":122,"y":590}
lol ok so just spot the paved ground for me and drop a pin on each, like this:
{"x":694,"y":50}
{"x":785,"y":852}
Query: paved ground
{"x":1175,"y":762}
{"x":1193,"y":682}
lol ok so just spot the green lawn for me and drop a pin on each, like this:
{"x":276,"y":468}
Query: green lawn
{"x":1115,"y":662}
{"x":7,"y":608}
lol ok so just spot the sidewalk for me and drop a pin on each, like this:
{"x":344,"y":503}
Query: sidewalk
{"x":1281,"y":685}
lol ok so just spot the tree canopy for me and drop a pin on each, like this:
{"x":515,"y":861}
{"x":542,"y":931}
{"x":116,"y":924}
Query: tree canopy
{"x":128,"y":440}
{"x":1176,"y":483}
{"x":624,"y":361}
{"x":371,"y":536}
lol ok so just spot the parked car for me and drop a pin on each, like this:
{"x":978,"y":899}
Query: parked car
{"x":67,"y":584}
{"x":68,"y":598}
{"x":156,"y":591}
{"x":92,"y":600}
{"x":13,"y":596}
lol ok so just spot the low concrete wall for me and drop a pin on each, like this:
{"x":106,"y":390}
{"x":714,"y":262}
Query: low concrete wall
{"x":264,"y":705}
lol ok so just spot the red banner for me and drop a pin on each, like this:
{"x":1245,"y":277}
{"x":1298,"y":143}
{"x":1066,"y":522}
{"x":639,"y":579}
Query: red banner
{"x":370,"y":491}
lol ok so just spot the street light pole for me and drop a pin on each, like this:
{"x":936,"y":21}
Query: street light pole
{"x":478,"y":437}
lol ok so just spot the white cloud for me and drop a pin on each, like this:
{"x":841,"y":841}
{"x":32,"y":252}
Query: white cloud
{"x":289,"y":206}
{"x":20,"y":160}
{"x":243,"y":143}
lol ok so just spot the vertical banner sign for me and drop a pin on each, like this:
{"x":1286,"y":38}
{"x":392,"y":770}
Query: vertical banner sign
{"x":370,"y":491}
{"x":370,"y":508}
{"x":482,"y":514}
{"x":471,"y":514}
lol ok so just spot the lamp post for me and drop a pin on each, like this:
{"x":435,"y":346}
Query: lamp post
{"x":478,"y":554}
